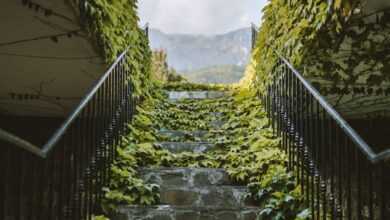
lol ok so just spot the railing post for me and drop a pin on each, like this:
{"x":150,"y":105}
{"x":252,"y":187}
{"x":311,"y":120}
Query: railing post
{"x":254,"y":33}
{"x":146,"y":29}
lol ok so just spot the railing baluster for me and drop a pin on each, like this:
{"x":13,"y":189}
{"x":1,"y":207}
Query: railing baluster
{"x":339,"y":181}
{"x":3,"y":163}
{"x":51,"y":168}
{"x":370,"y":191}
{"x":63,"y":171}
{"x":63,"y":179}
{"x":385,"y":195}
{"x":337,"y":170}
{"x":91,"y":157}
{"x":358,"y":165}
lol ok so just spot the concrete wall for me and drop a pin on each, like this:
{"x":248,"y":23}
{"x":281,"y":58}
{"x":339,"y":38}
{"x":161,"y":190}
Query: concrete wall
{"x":45,"y":77}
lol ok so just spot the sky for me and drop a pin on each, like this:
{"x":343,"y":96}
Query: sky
{"x":206,"y":17}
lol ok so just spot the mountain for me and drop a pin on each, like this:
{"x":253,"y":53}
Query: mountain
{"x":188,"y":53}
{"x":216,"y":74}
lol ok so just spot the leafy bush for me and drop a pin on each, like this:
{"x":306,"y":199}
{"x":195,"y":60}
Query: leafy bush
{"x":247,"y":149}
{"x":114,"y":26}
{"x":340,"y":46}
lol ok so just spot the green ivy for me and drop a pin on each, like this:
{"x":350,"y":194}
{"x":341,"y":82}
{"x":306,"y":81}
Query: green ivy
{"x":114,"y":26}
{"x":341,"y":46}
{"x":183,"y":86}
{"x":246,"y":148}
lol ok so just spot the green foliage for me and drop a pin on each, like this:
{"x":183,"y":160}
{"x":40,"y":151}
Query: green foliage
{"x":114,"y":26}
{"x":246,"y":148}
{"x":279,"y":194}
{"x":160,"y":68}
{"x":286,"y":27}
{"x":255,"y":158}
{"x":340,"y":47}
{"x":100,"y":217}
{"x":125,"y":187}
{"x":180,"y":86}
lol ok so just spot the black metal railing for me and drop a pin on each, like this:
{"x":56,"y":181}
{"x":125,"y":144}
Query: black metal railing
{"x":63,"y":179}
{"x":254,"y":33}
{"x":341,"y":176}
{"x":147,"y":30}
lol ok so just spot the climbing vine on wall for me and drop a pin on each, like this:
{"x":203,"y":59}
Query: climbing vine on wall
{"x":286,"y":27}
{"x":341,"y":46}
{"x":114,"y":26}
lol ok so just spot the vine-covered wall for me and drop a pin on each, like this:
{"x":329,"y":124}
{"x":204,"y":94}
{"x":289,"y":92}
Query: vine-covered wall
{"x":114,"y":27}
{"x":341,"y":46}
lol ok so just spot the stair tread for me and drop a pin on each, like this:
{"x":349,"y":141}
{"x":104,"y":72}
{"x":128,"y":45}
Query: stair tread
{"x":191,"y":177}
{"x":178,"y":95}
{"x":167,"y":212}
{"x":176,"y":134}
{"x":185,"y":207}
{"x":218,"y":196}
{"x":211,"y":125}
{"x":180,"y":147}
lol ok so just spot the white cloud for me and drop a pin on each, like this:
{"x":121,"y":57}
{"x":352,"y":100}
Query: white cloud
{"x":200,"y":16}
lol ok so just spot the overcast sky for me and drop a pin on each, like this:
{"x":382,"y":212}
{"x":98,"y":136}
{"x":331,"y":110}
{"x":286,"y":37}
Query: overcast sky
{"x":200,"y":16}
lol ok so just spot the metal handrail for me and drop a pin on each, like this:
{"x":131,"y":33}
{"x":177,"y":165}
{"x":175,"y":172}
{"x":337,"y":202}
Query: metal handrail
{"x":356,"y":138}
{"x":63,"y":128}
{"x":19,"y":142}
{"x":51,"y":143}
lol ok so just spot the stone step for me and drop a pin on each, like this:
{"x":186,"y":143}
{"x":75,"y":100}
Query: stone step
{"x":207,"y":115}
{"x":183,"y":135}
{"x":215,"y":125}
{"x":207,"y":196}
{"x":175,"y":96}
{"x":180,"y":147}
{"x":185,"y":177}
{"x":166,"y":212}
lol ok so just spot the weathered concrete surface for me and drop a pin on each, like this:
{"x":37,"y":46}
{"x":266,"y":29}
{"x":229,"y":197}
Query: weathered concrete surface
{"x":172,"y":134}
{"x":208,"y":196}
{"x":186,"y":177}
{"x":179,"y":147}
{"x":174,"y":96}
{"x":44,"y":79}
{"x":167,"y":212}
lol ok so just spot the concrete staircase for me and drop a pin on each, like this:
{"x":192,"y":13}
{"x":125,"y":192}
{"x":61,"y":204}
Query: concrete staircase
{"x":192,"y":193}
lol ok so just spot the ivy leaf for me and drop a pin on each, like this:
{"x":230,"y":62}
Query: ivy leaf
{"x":337,"y":4}
{"x":304,"y":215}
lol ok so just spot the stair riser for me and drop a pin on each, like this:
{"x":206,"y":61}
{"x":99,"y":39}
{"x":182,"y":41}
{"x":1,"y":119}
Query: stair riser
{"x":186,"y":177}
{"x":171,"y":135}
{"x":198,"y":95}
{"x":212,"y":125}
{"x":179,"y":147}
{"x":220,"y":196}
{"x":183,"y":214}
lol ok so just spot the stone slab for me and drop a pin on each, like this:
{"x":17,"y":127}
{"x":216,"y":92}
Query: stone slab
{"x":227,"y":197}
{"x":175,"y":96}
{"x":186,"y":177}
{"x":180,"y":147}
{"x":166,"y":212}
{"x":172,"y":134}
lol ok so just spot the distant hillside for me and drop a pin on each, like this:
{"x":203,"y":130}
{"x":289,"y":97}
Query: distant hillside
{"x":193,"y":52}
{"x":216,"y":74}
